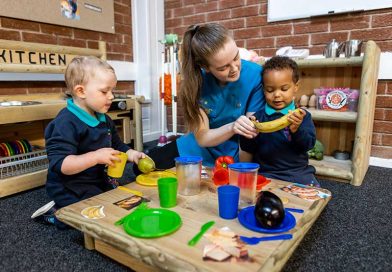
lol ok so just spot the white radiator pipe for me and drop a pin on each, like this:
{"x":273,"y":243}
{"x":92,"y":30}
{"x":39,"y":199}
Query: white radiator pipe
{"x":174,"y":88}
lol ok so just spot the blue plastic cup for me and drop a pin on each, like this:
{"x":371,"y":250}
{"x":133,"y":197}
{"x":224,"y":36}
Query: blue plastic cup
{"x":228,"y":197}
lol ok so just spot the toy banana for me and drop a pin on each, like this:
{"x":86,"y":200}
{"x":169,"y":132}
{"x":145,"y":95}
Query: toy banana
{"x":97,"y":213}
{"x":93,"y":212}
{"x":275,"y":125}
{"x":86,"y":212}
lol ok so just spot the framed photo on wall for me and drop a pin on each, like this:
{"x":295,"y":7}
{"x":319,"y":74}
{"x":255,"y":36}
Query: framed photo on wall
{"x":97,"y":15}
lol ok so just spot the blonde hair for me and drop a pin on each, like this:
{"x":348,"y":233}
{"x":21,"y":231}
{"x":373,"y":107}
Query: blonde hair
{"x":81,"y":69}
{"x":199,"y":43}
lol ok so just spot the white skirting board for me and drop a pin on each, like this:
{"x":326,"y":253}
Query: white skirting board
{"x":151,"y":136}
{"x":374,"y":161}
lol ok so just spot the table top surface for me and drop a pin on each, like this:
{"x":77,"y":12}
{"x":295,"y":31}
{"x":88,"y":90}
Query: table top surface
{"x":171,"y":251}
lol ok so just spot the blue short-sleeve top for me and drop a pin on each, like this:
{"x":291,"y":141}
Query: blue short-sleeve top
{"x":223,"y":105}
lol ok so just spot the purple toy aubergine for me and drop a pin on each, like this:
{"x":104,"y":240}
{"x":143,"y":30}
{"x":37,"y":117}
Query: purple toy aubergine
{"x":269,"y":210}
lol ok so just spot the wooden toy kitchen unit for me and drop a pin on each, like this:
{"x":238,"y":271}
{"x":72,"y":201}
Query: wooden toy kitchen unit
{"x":24,"y":117}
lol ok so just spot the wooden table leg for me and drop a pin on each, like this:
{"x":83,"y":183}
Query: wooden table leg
{"x":89,"y":242}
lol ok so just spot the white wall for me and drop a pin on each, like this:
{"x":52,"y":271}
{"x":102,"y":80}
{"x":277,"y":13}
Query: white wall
{"x":147,"y":30}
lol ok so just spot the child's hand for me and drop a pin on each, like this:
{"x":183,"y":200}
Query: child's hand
{"x":106,"y":155}
{"x":296,"y":120}
{"x":135,"y":156}
{"x":243,"y":126}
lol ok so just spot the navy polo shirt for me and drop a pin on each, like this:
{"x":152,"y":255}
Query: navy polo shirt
{"x":75,"y":132}
{"x":282,"y":154}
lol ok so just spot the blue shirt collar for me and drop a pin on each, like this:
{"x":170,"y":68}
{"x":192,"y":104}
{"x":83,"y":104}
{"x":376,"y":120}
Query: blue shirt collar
{"x":84,"y":116}
{"x":269,"y":110}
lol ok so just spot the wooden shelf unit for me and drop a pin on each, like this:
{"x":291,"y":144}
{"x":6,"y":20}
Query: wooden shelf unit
{"x":30,"y":121}
{"x":345,"y":131}
{"x":321,"y":115}
{"x":331,"y":62}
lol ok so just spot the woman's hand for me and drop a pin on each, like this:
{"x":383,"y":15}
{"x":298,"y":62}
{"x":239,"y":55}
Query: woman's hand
{"x":296,"y":120}
{"x":243,"y":126}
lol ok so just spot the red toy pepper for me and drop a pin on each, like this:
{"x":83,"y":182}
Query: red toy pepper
{"x":223,"y":161}
{"x":221,"y":171}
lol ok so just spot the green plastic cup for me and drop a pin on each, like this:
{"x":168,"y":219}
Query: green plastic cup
{"x":167,"y":189}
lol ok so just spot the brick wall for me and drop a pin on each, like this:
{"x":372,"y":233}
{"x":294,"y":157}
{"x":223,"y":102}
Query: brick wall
{"x":119,"y":45}
{"x":247,"y":19}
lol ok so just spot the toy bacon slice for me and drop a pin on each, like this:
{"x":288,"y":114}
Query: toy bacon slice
{"x":275,"y":125}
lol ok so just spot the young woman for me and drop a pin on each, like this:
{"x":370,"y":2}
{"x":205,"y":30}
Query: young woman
{"x":218,"y":92}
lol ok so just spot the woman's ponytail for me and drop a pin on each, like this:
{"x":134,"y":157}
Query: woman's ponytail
{"x":199,"y":44}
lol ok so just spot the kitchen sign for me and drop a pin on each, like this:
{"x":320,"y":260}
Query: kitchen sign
{"x":10,"y":56}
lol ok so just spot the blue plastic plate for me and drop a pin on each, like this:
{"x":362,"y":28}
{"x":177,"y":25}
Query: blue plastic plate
{"x":248,"y":220}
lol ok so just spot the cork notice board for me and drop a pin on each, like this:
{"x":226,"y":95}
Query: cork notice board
{"x":97,"y":15}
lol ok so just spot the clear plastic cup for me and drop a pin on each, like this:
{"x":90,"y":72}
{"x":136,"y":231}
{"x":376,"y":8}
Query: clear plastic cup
{"x":244,"y":175}
{"x":188,"y":170}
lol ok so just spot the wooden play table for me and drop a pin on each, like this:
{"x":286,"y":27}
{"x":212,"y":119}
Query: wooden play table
{"x":171,"y":252}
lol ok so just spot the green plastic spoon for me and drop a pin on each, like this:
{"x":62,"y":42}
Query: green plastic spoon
{"x":203,"y":230}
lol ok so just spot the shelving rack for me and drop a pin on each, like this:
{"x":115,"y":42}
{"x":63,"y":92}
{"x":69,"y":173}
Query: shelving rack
{"x":346,"y":131}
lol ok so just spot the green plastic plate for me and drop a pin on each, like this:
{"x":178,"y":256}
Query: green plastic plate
{"x":151,"y":223}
